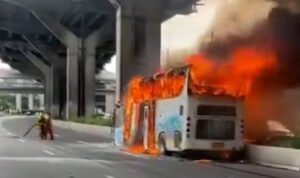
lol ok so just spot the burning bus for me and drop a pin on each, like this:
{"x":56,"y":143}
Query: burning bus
{"x":163,"y":114}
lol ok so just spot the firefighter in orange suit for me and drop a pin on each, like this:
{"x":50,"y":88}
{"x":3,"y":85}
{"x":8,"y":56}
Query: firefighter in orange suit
{"x":48,"y":126}
{"x":42,"y":126}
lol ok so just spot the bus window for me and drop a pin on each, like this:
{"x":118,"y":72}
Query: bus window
{"x":215,"y":129}
{"x":214,"y":110}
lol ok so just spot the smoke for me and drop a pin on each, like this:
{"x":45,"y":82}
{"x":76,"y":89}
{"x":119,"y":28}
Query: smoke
{"x":237,"y":18}
{"x":234,"y":19}
{"x":272,"y":24}
{"x":292,"y":5}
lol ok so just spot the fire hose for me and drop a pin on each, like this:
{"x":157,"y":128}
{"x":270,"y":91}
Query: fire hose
{"x":29,"y":130}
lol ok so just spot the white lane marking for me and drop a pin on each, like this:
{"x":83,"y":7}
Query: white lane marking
{"x":102,"y":163}
{"x":98,"y":145}
{"x":56,"y":135}
{"x":83,"y":142}
{"x":60,"y":147}
{"x":21,"y":140}
{"x":135,"y":155}
{"x":9,"y":134}
{"x":49,"y":152}
{"x":109,"y":176}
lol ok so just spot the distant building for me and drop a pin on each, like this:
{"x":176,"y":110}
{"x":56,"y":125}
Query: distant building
{"x":105,"y":93}
{"x":104,"y":97}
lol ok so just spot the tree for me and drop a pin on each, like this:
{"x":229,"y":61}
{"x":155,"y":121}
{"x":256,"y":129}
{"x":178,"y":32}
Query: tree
{"x":6,"y":102}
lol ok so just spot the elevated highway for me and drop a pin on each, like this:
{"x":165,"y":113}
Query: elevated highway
{"x":64,"y":42}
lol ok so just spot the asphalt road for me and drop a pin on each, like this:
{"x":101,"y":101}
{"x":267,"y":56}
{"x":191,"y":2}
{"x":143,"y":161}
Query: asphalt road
{"x":77,"y":155}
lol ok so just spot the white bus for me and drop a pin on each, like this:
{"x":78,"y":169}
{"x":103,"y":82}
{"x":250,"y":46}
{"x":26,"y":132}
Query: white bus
{"x":190,"y":122}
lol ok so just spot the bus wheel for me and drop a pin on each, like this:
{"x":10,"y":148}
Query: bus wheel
{"x":162,"y":145}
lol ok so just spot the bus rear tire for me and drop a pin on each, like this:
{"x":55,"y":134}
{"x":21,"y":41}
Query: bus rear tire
{"x":162,"y":145}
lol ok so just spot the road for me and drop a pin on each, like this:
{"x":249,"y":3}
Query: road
{"x":77,"y":155}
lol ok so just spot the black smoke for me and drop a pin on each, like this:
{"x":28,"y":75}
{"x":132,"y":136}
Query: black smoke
{"x":268,"y":100}
{"x":280,"y":32}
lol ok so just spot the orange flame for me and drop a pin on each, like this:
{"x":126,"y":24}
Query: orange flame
{"x":231,"y":76}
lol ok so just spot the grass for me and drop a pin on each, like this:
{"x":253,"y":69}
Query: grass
{"x":94,"y":120}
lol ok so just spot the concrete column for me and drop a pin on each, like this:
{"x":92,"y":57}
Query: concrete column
{"x":42,"y":102}
{"x":80,"y":65}
{"x":62,"y":94}
{"x":72,"y":82}
{"x":89,"y":75}
{"x":30,"y":101}
{"x":57,"y":67}
{"x":47,"y":72}
{"x":55,"y":90}
{"x":19,"y":102}
{"x":47,"y":92}
{"x":72,"y":44}
{"x":138,"y":41}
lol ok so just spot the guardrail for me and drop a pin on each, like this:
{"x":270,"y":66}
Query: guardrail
{"x":286,"y":158}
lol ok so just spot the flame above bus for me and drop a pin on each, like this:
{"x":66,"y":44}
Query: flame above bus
{"x":231,"y":76}
{"x":234,"y":75}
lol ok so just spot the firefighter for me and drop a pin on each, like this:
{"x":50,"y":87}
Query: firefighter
{"x":48,"y":126}
{"x":42,"y":125}
{"x":114,"y":115}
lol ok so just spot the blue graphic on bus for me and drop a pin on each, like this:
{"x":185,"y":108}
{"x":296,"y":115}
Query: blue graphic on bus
{"x":169,"y":124}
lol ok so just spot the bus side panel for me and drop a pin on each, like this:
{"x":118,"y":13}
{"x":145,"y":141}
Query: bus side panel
{"x":170,"y":119}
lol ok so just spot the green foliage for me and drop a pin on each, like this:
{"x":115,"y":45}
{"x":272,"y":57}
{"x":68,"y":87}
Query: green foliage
{"x":94,"y":120}
{"x":285,"y":141}
{"x":296,"y":143}
{"x":6,"y":102}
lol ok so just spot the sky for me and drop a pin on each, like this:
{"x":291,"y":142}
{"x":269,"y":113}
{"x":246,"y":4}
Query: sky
{"x":181,"y":31}
{"x":4,"y":65}
{"x":111,"y":66}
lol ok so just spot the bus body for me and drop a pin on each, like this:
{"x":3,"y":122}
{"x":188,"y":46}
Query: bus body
{"x":188,"y":122}
{"x":206,"y":122}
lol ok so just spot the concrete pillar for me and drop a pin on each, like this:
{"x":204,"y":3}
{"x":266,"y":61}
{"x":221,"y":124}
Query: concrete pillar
{"x":72,"y":82}
{"x":30,"y":101}
{"x":57,"y":69}
{"x":62,"y":94}
{"x":47,"y":72}
{"x":81,"y":77}
{"x":83,"y":56}
{"x":89,"y":75}
{"x":47,"y":92}
{"x":19,"y":102}
{"x":138,"y":41}
{"x":42,"y":102}
{"x":80,"y":71}
{"x":55,"y":91}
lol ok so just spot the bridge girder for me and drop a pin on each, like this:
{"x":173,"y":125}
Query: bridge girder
{"x":59,"y":7}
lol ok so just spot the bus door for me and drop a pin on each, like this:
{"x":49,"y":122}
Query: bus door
{"x":149,"y":126}
{"x":145,"y":126}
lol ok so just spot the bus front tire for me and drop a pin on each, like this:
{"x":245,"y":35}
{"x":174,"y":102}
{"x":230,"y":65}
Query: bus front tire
{"x":162,"y":145}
